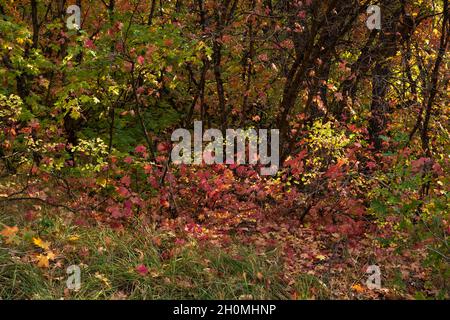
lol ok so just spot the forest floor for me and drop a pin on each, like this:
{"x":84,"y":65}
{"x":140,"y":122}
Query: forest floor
{"x":260,"y":259}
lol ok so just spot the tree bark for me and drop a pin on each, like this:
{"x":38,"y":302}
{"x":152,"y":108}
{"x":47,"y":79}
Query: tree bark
{"x":381,"y":74}
{"x":434,"y":79}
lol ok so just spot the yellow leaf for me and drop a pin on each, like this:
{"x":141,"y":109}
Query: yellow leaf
{"x":42,"y":261}
{"x":75,"y":114}
{"x":74,"y":238}
{"x":51,"y":255}
{"x":102,"y":182}
{"x":321,"y":257}
{"x":103,"y":279}
{"x":41,"y":244}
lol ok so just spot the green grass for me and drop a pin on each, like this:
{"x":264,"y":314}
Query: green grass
{"x":108,"y":260}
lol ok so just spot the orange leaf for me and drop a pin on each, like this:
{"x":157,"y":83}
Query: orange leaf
{"x":9,"y":231}
{"x":358,"y":288}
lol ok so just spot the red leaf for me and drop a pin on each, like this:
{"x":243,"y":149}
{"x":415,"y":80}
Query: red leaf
{"x":140,"y":149}
{"x":123,"y":191}
{"x":89,"y":44}
{"x":142,"y":270}
{"x":126,"y":180}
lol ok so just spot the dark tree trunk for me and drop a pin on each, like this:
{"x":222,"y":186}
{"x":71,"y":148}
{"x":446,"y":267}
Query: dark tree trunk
{"x":434,"y":79}
{"x":381,"y":74}
{"x":152,"y":12}
{"x":35,"y":23}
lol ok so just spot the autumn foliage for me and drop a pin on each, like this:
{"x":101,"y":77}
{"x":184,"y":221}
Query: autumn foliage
{"x":86,"y":118}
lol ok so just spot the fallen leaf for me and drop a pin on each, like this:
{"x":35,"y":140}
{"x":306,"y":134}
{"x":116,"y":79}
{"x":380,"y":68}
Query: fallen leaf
{"x":142,"y":270}
{"x":42,"y":261}
{"x":41,"y":244}
{"x":358,"y":288}
{"x":9,"y":231}
{"x":103,"y":279}
{"x":51,"y":255}
{"x":260,"y":276}
{"x":74,"y":238}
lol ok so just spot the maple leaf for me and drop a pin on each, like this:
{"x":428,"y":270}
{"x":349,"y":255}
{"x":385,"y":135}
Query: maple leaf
{"x":371,"y":165}
{"x":142,"y":270}
{"x":10,"y":234}
{"x":140,"y":149}
{"x":51,"y":256}
{"x":41,"y":244}
{"x":9,"y":231}
{"x":126,"y":180}
{"x":122,"y":191}
{"x":438,"y":169}
{"x":141,"y":60}
{"x":302,"y":14}
{"x":358,"y":288}
{"x":89,"y":44}
{"x":162,"y":147}
{"x":115,"y":212}
{"x":339,"y":96}
{"x":321,"y":257}
{"x":256,"y":118}
{"x":42,"y":261}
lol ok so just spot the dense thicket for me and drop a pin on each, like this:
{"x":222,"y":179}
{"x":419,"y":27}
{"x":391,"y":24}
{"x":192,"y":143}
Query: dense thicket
{"x":86,"y":115}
